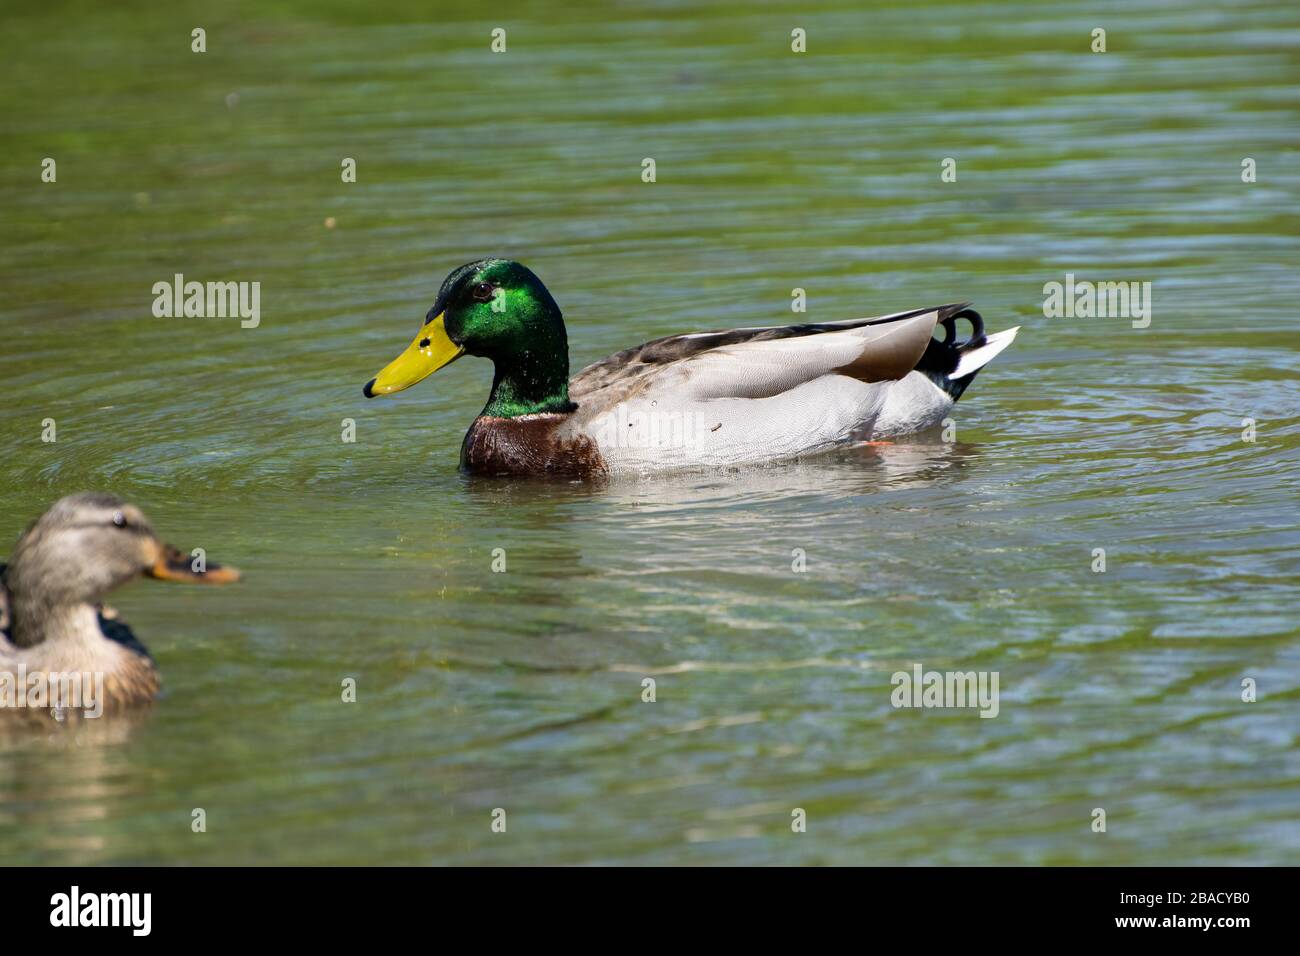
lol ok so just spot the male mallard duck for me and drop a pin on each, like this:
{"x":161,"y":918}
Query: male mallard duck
{"x":705,"y":399}
{"x":66,"y":561}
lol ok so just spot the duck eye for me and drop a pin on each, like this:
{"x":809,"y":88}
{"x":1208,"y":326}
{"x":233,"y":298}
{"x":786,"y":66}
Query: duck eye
{"x":119,"y":519}
{"x":483,"y":292}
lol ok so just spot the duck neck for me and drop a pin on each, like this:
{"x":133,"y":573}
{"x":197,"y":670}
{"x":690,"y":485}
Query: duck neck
{"x":67,"y":624}
{"x":533,"y":379}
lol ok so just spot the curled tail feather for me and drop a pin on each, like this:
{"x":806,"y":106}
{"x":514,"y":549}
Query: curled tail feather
{"x":952,"y":363}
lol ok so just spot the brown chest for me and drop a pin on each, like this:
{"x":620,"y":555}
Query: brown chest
{"x":529,"y":445}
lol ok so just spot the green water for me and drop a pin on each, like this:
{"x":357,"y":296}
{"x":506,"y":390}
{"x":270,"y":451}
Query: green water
{"x":522,"y":690}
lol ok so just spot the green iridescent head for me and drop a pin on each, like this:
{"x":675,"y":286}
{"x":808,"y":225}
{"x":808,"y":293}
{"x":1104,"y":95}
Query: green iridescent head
{"x":496,"y":309}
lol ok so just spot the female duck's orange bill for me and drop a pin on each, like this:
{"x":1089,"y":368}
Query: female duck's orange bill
{"x":172,"y":564}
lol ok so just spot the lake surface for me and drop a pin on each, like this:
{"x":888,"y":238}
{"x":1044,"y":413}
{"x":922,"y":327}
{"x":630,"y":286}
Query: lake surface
{"x":523,"y":690}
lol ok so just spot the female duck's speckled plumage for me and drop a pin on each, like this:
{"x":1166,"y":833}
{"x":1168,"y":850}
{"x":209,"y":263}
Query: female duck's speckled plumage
{"x":52,"y":621}
{"x":700,"y":400}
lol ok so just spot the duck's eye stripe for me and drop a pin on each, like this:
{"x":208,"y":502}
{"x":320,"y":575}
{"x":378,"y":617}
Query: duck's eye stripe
{"x":132,"y":528}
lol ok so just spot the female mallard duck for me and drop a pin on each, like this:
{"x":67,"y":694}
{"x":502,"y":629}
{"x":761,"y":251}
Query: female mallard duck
{"x":706,"y":399}
{"x":51,"y":624}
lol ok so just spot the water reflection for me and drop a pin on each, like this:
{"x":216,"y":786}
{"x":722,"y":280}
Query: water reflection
{"x":59,"y":784}
{"x":861,"y":469}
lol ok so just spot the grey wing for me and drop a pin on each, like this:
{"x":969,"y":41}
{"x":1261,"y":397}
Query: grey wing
{"x":627,"y":367}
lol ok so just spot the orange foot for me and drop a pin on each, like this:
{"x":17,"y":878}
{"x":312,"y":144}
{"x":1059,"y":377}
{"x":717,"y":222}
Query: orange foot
{"x":869,"y":443}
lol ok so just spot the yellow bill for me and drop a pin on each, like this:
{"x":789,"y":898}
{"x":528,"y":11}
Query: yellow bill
{"x":430,"y":351}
